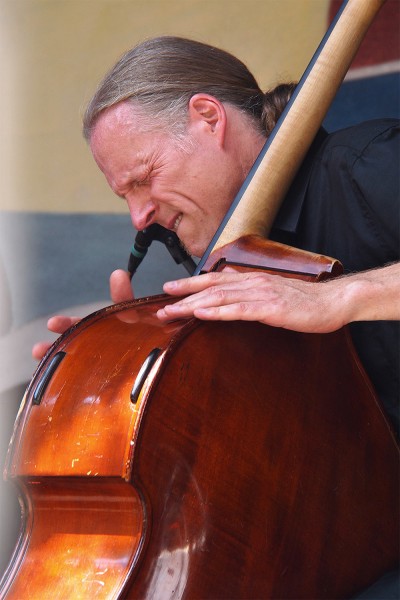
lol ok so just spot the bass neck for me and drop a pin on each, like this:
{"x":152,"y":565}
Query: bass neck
{"x":254,"y":208}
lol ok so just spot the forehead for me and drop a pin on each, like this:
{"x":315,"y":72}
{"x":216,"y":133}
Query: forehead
{"x":113,"y":124}
{"x":118,"y":132}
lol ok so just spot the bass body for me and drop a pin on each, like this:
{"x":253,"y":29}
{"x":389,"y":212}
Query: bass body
{"x":202,"y":460}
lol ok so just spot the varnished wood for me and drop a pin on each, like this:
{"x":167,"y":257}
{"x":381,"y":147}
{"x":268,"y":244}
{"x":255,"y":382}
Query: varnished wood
{"x":245,"y":480}
{"x":81,"y":538}
{"x":257,"y":252}
{"x":265,"y":495}
{"x":256,"y":462}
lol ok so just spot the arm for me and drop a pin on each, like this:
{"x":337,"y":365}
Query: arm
{"x":288,"y":303}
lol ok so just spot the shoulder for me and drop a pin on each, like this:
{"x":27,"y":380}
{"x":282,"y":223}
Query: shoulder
{"x":355,"y":187}
{"x":357,"y":139}
{"x":365,"y":156}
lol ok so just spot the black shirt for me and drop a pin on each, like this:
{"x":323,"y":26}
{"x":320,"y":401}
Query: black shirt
{"x":344,"y":203}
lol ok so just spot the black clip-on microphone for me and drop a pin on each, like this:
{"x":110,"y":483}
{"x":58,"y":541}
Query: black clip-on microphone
{"x":156,"y":232}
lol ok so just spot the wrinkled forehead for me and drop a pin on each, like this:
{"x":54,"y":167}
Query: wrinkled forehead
{"x":112,"y":134}
{"x":119,"y":140}
{"x":122,"y":117}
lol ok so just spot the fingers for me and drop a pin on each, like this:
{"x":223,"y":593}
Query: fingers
{"x":239,"y":311}
{"x":270,"y":299}
{"x":40,"y":349}
{"x":120,"y":286}
{"x":222,"y":305}
{"x":192,"y":285}
{"x":210,"y":292}
{"x":60,"y":323}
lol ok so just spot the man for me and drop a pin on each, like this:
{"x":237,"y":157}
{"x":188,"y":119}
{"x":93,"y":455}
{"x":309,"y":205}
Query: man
{"x":175,"y":128}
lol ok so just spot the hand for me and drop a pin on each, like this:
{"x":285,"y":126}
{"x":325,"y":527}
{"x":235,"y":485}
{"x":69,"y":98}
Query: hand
{"x":120,"y":286}
{"x":253,"y":296}
{"x":120,"y":290}
{"x":288,"y":303}
{"x":58,"y":324}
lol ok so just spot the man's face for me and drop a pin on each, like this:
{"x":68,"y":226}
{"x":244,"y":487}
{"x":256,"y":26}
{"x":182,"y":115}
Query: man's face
{"x":186,"y":188}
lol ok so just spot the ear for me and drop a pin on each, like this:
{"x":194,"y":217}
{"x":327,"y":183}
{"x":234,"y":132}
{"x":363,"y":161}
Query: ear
{"x":208,"y":114}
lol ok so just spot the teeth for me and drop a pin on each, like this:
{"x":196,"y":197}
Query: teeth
{"x":176,"y":224}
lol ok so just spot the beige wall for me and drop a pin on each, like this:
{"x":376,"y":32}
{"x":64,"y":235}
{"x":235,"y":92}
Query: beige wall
{"x":53,"y":53}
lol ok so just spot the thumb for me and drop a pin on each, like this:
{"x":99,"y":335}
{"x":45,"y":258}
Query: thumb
{"x":120,"y":286}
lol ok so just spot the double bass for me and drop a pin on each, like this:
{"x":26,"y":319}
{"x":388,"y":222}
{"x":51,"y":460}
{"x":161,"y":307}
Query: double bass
{"x":210,"y":460}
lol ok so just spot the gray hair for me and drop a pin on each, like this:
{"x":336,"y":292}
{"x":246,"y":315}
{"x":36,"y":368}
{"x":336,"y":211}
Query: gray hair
{"x":161,"y":75}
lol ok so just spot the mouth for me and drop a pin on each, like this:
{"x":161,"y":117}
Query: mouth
{"x":176,"y":223}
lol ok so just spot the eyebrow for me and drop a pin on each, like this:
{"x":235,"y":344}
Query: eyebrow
{"x":133,"y":178}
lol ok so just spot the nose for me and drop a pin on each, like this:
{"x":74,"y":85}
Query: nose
{"x":142,"y":211}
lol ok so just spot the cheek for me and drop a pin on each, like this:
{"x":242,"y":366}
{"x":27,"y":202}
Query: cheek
{"x":221,"y":201}
{"x":222,"y":189}
{"x":197,"y":185}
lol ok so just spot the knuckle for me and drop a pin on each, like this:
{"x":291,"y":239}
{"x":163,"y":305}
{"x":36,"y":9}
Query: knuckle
{"x":215,"y":277}
{"x":243,"y":307}
{"x":257,"y":278}
{"x":218,"y":293}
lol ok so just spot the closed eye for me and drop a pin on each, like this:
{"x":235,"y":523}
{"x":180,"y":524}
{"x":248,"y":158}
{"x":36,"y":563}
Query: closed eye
{"x":144,"y":179}
{"x":141,"y":182}
{"x":122,"y":190}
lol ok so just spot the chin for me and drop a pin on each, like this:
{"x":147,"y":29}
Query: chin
{"x":194,"y":248}
{"x":196,"y":251}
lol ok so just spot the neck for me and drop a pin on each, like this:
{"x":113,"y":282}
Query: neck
{"x":255,"y":207}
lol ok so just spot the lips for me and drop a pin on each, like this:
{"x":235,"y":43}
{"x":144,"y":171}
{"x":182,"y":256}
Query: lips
{"x":175,"y":224}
